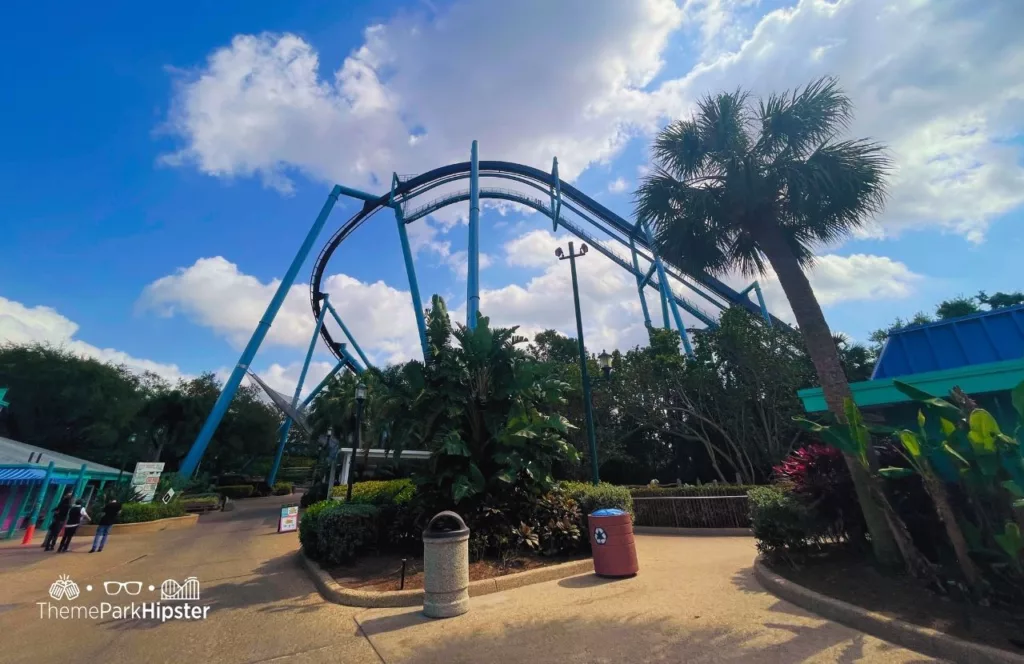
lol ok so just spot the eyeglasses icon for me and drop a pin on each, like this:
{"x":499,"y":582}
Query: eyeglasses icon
{"x":129,"y":587}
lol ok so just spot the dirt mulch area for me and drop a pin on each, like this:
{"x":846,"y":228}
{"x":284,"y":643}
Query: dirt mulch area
{"x":383,"y":572}
{"x":849,"y":577}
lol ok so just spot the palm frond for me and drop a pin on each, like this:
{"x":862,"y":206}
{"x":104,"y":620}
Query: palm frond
{"x":835,"y":189}
{"x":795,"y":123}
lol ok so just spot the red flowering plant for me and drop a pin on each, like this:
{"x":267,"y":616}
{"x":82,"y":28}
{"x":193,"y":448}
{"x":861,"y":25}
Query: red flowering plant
{"x":817,"y":475}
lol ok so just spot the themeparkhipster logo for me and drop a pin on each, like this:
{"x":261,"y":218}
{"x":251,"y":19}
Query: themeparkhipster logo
{"x":68,"y":601}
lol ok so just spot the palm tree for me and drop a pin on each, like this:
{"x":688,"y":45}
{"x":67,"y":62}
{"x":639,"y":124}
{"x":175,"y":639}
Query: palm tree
{"x":744,"y":185}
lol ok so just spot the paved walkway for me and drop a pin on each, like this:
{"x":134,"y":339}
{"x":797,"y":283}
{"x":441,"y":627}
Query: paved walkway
{"x":695,"y":600}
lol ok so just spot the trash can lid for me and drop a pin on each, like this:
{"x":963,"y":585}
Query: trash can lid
{"x":445,"y":525}
{"x":608,"y":511}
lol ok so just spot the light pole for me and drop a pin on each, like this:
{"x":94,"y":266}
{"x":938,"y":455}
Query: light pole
{"x":589,"y":414}
{"x":604,"y":360}
{"x":360,"y":398}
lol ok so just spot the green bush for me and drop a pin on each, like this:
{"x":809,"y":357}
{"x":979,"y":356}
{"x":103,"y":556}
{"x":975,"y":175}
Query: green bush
{"x":689,"y":490}
{"x":334,"y":533}
{"x":283,"y":488}
{"x":236,"y":491}
{"x":783,"y":526}
{"x":378,"y":492}
{"x":140,"y":512}
{"x":590,"y":497}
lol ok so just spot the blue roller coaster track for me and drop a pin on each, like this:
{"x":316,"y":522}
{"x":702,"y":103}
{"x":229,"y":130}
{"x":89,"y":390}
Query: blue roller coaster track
{"x":564,"y":204}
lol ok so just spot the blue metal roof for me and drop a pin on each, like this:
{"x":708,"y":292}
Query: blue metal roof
{"x":990,"y":336}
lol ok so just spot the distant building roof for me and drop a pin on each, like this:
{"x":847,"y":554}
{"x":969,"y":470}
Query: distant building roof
{"x":13,"y":452}
{"x":990,"y":336}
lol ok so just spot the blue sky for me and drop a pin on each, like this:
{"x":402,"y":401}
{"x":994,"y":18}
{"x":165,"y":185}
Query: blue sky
{"x":162,"y":162}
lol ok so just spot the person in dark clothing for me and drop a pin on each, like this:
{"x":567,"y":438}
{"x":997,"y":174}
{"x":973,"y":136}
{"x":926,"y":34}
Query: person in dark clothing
{"x":76,"y":515}
{"x":109,"y":518}
{"x":60,"y":515}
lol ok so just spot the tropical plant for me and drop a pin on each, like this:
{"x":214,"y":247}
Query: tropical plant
{"x":747,"y":186}
{"x":488,"y":413}
{"x":967,"y":448}
{"x":817,"y":476}
{"x":853,"y":438}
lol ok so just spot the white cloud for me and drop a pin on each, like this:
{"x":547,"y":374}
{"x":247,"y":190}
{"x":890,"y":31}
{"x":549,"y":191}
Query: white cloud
{"x":950,"y":114}
{"x":618,"y":185}
{"x":611,"y":309}
{"x":214,"y":293}
{"x":20,"y":324}
{"x":836,"y":279}
{"x":259,"y":106}
{"x":459,"y":263}
{"x":941,"y":82}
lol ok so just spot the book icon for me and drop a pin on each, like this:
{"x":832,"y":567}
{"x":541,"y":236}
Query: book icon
{"x":188,"y":590}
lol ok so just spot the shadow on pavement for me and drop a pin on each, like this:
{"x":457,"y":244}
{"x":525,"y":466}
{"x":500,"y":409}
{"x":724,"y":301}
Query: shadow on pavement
{"x":630,"y":639}
{"x":276,"y":586}
{"x":744,"y":581}
{"x":587,"y":581}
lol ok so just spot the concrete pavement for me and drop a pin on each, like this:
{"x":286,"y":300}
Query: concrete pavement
{"x":695,"y":600}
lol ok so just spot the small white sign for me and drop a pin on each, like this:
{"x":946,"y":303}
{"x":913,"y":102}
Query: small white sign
{"x":168,"y":496}
{"x":146,"y":478}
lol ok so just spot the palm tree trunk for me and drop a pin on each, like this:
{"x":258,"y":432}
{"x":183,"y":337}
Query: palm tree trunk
{"x":822,"y":350}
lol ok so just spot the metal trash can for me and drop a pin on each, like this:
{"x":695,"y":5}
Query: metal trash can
{"x":611,"y":538}
{"x":445,"y":566}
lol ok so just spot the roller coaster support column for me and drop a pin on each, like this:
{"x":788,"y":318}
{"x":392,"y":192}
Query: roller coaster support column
{"x":640,"y":284}
{"x":756,"y":287}
{"x":410,"y":269}
{"x":344,"y":328}
{"x":666,"y":291}
{"x":287,"y":425}
{"x":316,"y":390}
{"x":473,"y":271}
{"x":191,"y":462}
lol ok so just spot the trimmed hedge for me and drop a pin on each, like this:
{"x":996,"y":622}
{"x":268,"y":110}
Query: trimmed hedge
{"x":236,"y":491}
{"x":783,"y":526}
{"x":378,"y":492}
{"x":334,"y":533}
{"x":590,"y":497}
{"x":688,"y":490}
{"x":283,"y":488}
{"x":140,"y":512}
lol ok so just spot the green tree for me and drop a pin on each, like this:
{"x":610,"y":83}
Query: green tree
{"x":745,"y":185}
{"x":70,"y":404}
{"x":956,"y":307}
{"x":1000,"y":300}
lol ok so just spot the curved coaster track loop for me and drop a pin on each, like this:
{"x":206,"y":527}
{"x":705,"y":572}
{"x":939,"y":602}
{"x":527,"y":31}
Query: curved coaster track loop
{"x":564,"y":204}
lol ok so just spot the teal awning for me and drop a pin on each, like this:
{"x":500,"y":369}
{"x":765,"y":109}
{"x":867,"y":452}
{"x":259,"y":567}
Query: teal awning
{"x":10,"y":476}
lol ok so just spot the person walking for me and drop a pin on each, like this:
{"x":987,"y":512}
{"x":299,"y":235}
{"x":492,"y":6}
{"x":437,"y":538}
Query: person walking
{"x":76,"y":515}
{"x":60,"y":515}
{"x":109,"y":518}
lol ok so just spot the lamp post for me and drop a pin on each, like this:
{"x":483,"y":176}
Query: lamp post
{"x":588,"y":408}
{"x":604,"y":360}
{"x":360,"y":398}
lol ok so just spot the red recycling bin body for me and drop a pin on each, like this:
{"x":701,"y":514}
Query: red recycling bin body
{"x":611,"y":538}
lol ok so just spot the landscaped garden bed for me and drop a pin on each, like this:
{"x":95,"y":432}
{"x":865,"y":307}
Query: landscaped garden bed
{"x":952,"y":499}
{"x":847,"y":576}
{"x":383,"y":572}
